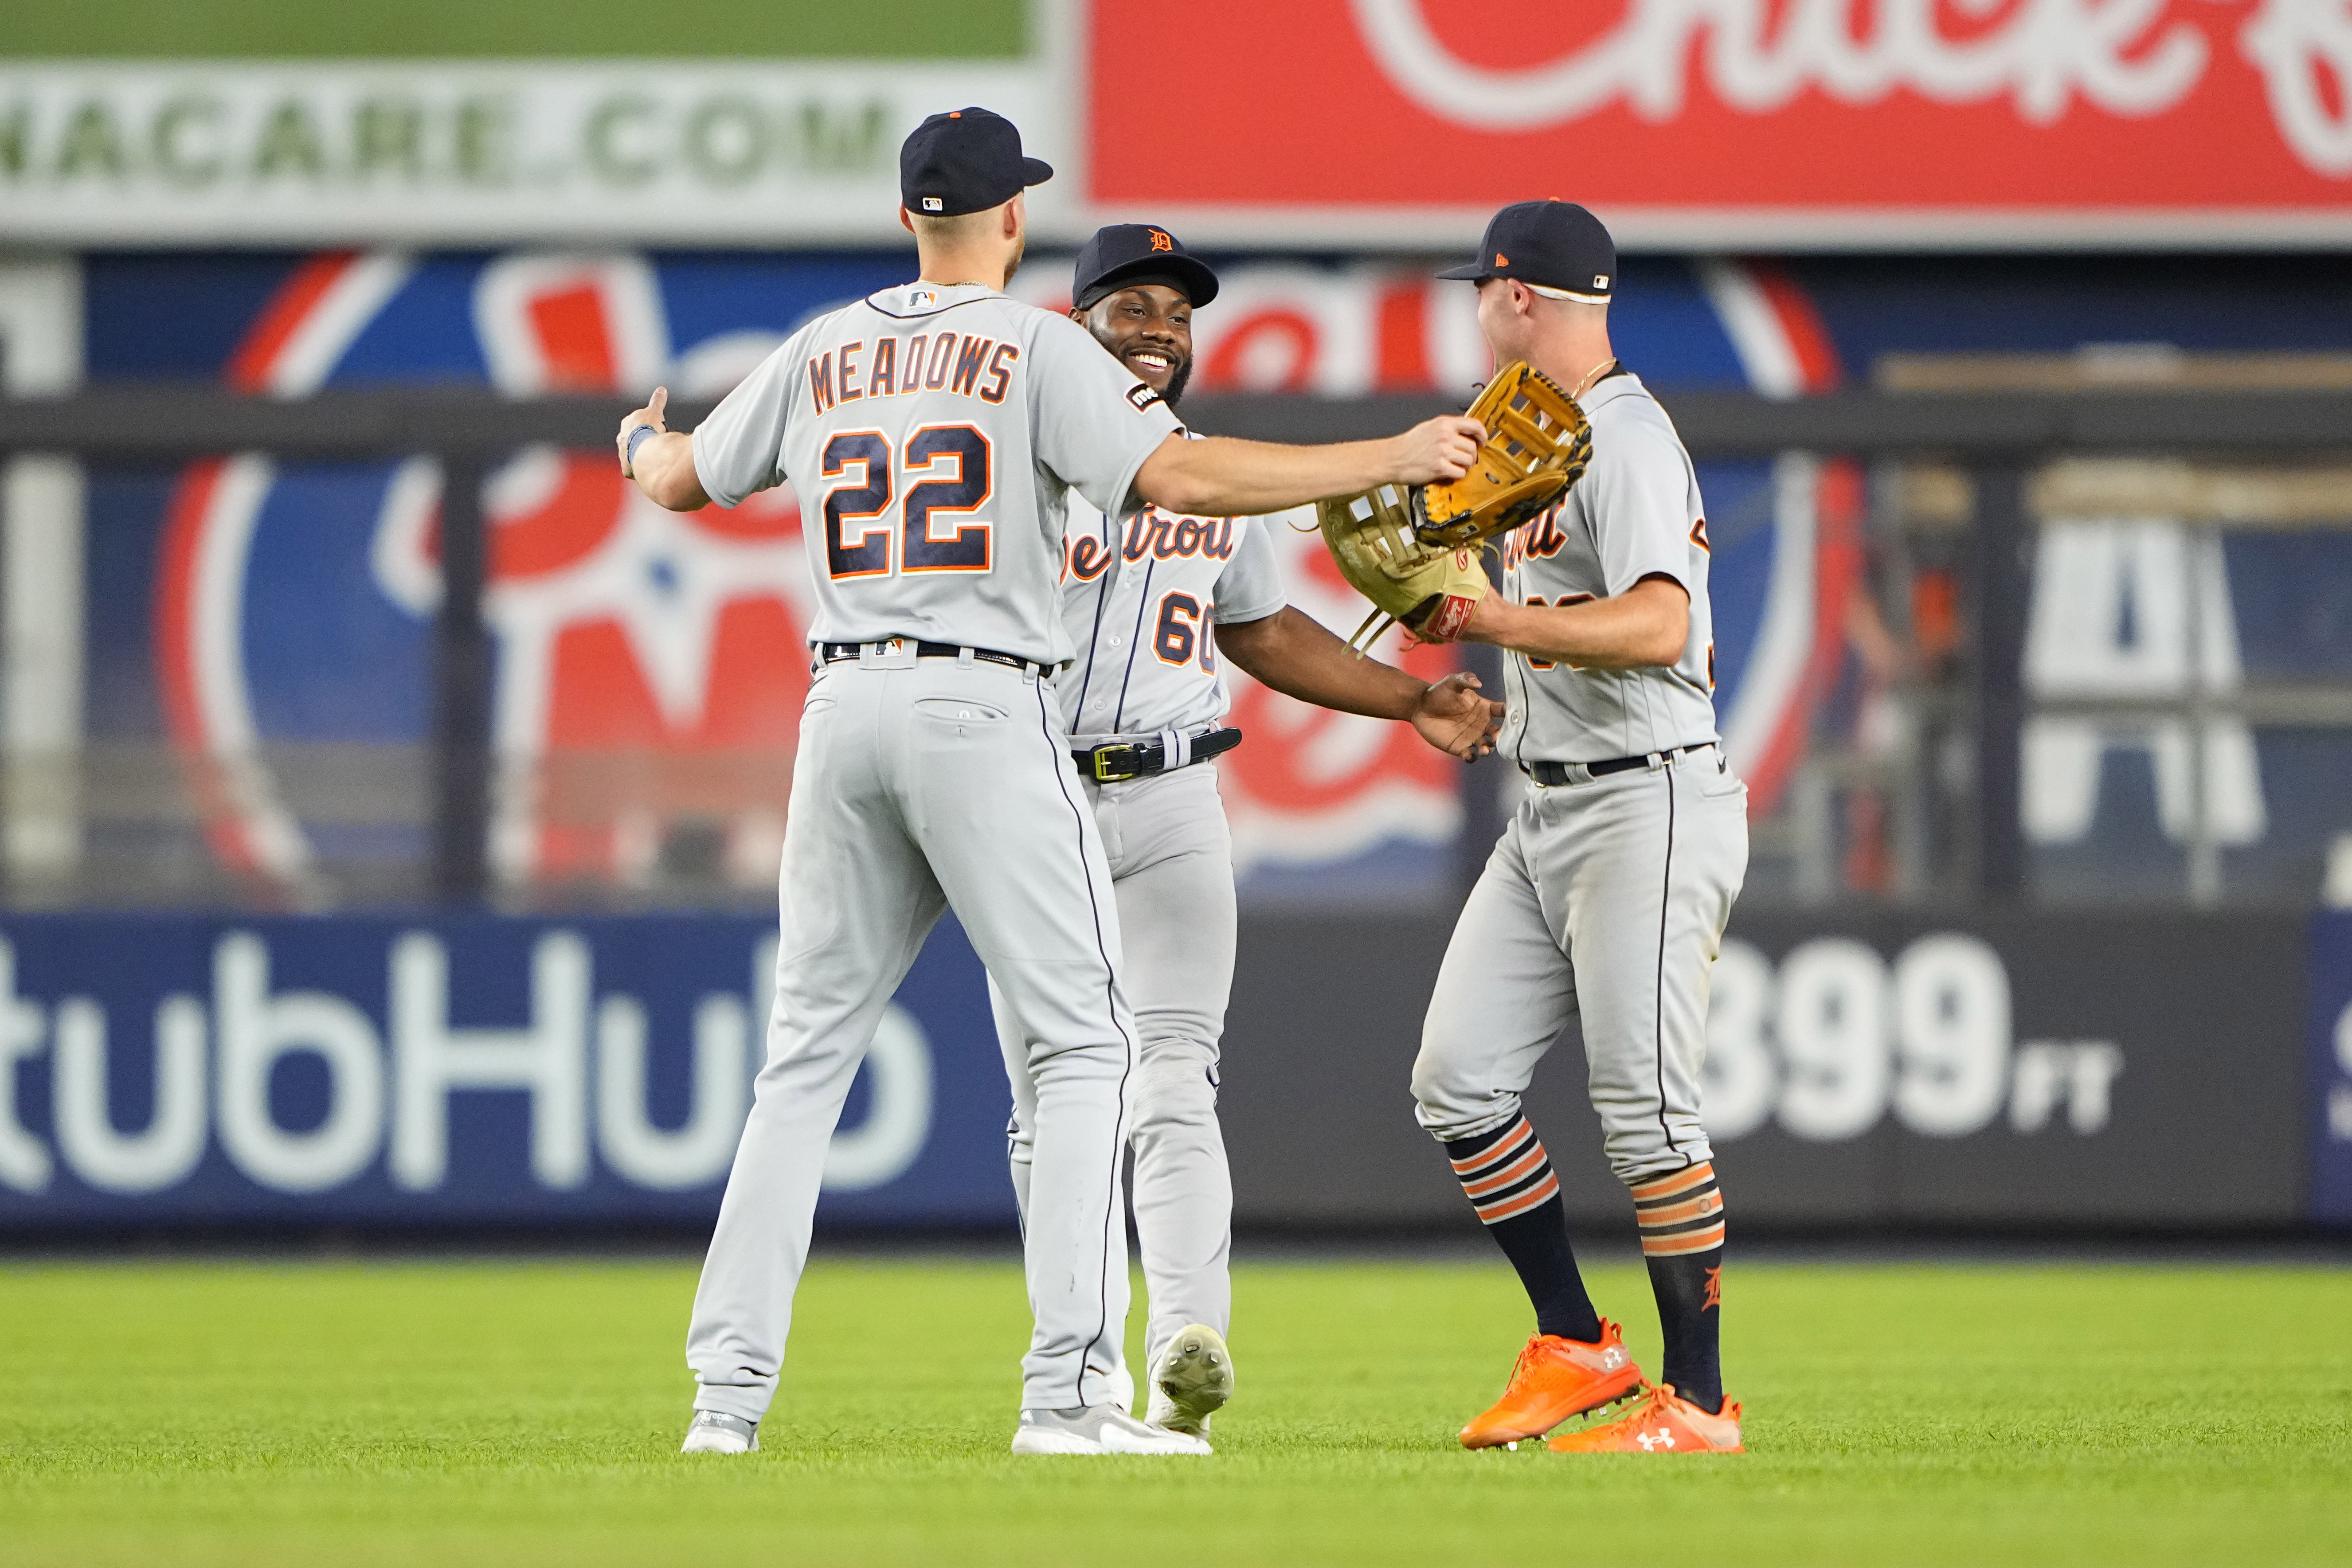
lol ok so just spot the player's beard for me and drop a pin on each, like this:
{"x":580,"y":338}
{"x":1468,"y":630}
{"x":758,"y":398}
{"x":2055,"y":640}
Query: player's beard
{"x":1176,"y":381}
{"x":1020,"y":249}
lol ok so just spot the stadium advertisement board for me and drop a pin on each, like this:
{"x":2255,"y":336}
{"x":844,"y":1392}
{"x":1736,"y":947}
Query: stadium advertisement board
{"x":2078,"y":1069}
{"x":472,"y":1069}
{"x":2331,"y":1067}
{"x":2139,"y":1070}
{"x":696,"y":152}
{"x":1805,"y":125}
{"x":1732,"y":124}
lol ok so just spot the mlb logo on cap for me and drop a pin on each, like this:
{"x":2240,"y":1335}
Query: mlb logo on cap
{"x":965,"y":161}
{"x":1551,"y":247}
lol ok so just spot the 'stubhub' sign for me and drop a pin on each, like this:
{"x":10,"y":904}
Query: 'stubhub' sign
{"x":482,"y":1066}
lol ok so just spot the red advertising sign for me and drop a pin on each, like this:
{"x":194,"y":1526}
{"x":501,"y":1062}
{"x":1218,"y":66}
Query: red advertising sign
{"x":1782,"y":123}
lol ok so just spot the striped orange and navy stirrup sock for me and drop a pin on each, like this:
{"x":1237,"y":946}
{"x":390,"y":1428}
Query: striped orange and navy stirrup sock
{"x":1681,"y":1216}
{"x":1508,"y":1179}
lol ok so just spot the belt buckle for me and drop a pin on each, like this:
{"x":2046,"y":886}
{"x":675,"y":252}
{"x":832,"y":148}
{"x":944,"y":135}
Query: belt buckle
{"x":1103,"y":765}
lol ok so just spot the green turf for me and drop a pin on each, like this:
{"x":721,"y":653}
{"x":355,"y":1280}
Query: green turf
{"x":497,"y":1413}
{"x":348,"y":29}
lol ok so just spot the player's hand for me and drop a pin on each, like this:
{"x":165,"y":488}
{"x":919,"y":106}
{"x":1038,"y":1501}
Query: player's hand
{"x":1454,"y":718}
{"x":651,"y":414}
{"x":1436,"y":450}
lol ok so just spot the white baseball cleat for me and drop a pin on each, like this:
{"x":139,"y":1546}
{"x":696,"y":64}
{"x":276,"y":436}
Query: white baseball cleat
{"x":1191,"y":1378}
{"x":713,"y":1433}
{"x":1097,"y":1429}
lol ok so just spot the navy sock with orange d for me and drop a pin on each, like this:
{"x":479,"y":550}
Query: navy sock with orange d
{"x":1681,"y":1218}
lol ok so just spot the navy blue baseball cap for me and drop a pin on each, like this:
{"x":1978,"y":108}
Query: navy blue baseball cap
{"x":1556,"y":248}
{"x":1126,"y":254}
{"x":965,"y":161}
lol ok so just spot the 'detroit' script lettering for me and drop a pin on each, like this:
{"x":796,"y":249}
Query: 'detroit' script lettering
{"x":2126,"y":58}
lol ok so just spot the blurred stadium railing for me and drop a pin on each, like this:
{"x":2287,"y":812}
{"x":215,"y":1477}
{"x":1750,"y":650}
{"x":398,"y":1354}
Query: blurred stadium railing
{"x":1960,"y":704}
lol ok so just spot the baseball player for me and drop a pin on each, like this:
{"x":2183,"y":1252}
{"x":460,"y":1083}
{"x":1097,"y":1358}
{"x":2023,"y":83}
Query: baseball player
{"x":1152,"y":602}
{"x":932,"y":431}
{"x":1605,"y":899}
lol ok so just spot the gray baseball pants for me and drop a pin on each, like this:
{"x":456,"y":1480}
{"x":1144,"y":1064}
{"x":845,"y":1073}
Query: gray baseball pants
{"x":1604,"y":901}
{"x":1171,"y":866}
{"x":921,"y":786}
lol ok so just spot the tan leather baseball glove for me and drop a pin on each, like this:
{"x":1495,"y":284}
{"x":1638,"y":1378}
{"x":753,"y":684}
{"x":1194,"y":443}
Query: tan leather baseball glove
{"x":1538,"y":445}
{"x":1415,"y":555}
{"x":1430,"y":588}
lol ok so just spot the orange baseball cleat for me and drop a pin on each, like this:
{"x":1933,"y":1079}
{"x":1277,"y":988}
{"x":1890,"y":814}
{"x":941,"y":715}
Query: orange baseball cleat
{"x":1555,"y":1379}
{"x":1663,"y":1422}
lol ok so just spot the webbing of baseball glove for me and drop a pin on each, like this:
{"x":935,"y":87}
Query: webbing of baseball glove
{"x":1430,"y":588}
{"x":1538,"y":445}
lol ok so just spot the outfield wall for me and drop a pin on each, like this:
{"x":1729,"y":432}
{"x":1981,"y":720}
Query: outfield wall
{"x":1867,"y":1070}
{"x":2139,"y":1070}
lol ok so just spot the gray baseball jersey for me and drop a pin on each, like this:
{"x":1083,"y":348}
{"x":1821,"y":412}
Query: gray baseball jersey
{"x":1605,"y":899}
{"x":1636,"y":512}
{"x":1138,"y":603}
{"x":932,"y":432}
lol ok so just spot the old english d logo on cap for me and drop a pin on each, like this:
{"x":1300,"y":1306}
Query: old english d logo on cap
{"x":1123,"y":255}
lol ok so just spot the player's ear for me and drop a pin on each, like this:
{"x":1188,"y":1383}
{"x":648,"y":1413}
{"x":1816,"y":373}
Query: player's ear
{"x":904,"y":221}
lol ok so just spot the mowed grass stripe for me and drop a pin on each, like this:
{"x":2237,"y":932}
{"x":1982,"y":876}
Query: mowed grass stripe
{"x":465,"y":1413}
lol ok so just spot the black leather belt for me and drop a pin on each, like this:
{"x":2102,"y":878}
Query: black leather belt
{"x":834,"y":652}
{"x":1554,"y":775}
{"x":1117,"y":762}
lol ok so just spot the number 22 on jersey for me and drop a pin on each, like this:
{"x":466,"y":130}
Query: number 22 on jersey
{"x":938,"y":481}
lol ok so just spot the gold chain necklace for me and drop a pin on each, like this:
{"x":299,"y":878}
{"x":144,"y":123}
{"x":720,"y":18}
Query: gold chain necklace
{"x":1589,"y":382}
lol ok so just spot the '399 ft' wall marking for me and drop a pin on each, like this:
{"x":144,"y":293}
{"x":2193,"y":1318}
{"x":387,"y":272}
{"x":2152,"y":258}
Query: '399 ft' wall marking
{"x":1834,"y":1038}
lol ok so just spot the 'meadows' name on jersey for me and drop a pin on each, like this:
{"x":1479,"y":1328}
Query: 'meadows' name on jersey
{"x":926,"y":362}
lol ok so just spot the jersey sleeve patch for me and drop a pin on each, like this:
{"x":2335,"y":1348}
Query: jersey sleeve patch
{"x":1143,"y":397}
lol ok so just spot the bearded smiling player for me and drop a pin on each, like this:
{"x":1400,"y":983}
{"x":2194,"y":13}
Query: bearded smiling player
{"x":1152,"y":601}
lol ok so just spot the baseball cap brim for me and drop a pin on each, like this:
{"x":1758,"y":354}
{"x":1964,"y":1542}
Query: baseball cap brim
{"x":1192,"y":277}
{"x":1035,"y":171}
{"x":1469,"y":274}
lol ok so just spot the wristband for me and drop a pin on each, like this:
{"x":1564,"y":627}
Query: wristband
{"x":638,"y":438}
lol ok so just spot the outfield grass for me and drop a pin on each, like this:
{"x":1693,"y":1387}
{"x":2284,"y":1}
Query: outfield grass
{"x":509,"y":1413}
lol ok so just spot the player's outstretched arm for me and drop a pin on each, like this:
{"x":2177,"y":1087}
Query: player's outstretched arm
{"x":1225,"y":477}
{"x":1647,"y":625}
{"x":664,"y":464}
{"x":1294,"y":654}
